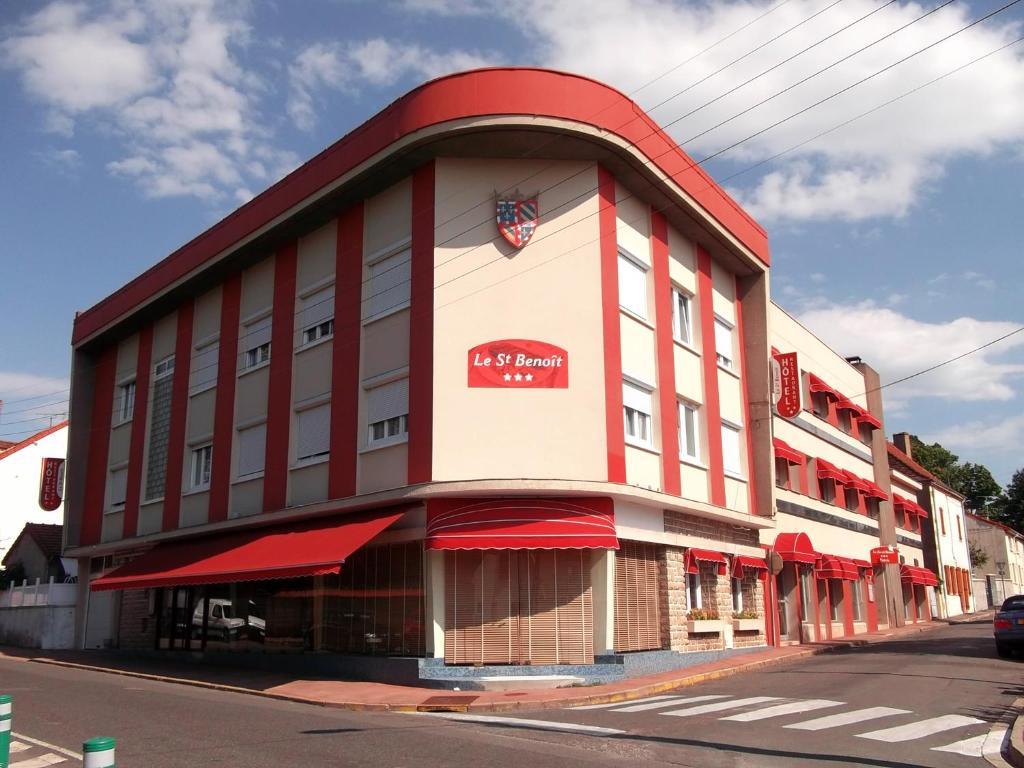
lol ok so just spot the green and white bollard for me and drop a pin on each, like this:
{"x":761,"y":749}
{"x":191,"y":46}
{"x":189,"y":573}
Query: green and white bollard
{"x":5,"y":730}
{"x":98,"y":753}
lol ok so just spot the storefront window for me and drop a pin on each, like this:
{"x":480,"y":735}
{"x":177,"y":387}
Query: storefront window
{"x":835,"y":599}
{"x":806,"y":594}
{"x":857,"y":595}
{"x":374,"y":606}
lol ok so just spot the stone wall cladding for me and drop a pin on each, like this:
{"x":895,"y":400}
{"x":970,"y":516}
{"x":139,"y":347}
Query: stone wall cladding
{"x":672,"y":576}
{"x":136,"y":629}
{"x":715,"y":532}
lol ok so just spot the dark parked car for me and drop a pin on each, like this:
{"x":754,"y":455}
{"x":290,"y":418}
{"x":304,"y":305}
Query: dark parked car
{"x":1008,"y":626}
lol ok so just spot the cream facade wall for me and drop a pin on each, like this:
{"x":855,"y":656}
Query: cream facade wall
{"x":1004,"y":554}
{"x":951,"y":542}
{"x":549,"y":291}
{"x":830,"y":539}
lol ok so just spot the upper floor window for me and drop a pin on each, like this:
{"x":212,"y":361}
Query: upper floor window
{"x":126,"y":400}
{"x":387,"y":412}
{"x":723,"y":343}
{"x":256,"y":343}
{"x":942,"y":521}
{"x":164,"y":368}
{"x":843,"y":418}
{"x":682,"y":329}
{"x":632,"y":286}
{"x":820,"y":404}
{"x":389,"y":283}
{"x":202,"y":463}
{"x":959,"y":530}
{"x":865,"y":432}
{"x":852,"y":498}
{"x":732,"y":461}
{"x":689,"y":431}
{"x":252,"y":449}
{"x":117,"y":490}
{"x":826,"y":489}
{"x":873,"y":507}
{"x":782,"y":476}
{"x":205,"y":366}
{"x":637,"y":409}
{"x":318,"y":316}
{"x":313,"y":432}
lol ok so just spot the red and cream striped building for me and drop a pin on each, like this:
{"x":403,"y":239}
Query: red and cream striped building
{"x":353,"y":418}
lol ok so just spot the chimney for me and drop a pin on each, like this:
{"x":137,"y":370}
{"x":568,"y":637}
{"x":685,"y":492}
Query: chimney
{"x":902,"y":441}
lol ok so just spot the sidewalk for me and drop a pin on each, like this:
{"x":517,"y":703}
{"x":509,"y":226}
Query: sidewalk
{"x":395,"y":698}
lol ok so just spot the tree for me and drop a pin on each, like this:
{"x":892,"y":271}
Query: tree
{"x":1008,"y":509}
{"x":939,"y":461}
{"x":974,"y":481}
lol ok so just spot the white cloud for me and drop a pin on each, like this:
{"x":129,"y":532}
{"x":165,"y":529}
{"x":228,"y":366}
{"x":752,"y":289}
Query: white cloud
{"x":375,"y":62}
{"x":163,"y":76}
{"x":879,"y":166}
{"x":898,"y":346}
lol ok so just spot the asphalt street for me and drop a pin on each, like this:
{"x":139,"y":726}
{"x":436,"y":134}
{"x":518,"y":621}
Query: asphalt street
{"x":896,"y":704}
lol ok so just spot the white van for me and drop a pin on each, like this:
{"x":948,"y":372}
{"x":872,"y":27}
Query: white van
{"x":223,"y":624}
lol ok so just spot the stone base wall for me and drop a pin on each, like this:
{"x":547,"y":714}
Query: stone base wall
{"x":715,"y":532}
{"x":136,"y":628}
{"x":753,"y":599}
{"x":672,"y":576}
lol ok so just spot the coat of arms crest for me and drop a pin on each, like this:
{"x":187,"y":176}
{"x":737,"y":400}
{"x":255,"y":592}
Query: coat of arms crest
{"x":517,"y":220}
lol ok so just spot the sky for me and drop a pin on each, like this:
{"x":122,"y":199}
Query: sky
{"x":880,"y":143}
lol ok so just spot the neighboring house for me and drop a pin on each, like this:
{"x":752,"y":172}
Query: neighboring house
{"x":833,"y":500}
{"x":37,"y":550}
{"x":20,"y":469}
{"x":1003,"y":550}
{"x":937,"y":511}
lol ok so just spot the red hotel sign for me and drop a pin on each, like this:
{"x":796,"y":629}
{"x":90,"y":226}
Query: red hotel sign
{"x":518,"y":363}
{"x":885,"y":556}
{"x":786,"y":384}
{"x":51,"y":481}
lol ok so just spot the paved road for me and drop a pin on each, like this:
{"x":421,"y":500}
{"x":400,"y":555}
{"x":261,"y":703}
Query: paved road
{"x":951,"y":673}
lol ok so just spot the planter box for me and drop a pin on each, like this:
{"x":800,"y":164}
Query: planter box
{"x":748,"y":625}
{"x":694,"y":626}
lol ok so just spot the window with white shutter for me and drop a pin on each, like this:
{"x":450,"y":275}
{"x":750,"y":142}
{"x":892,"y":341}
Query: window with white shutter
{"x":117,"y":489}
{"x":632,"y":286}
{"x":204,"y":368}
{"x":689,"y":434}
{"x":637,"y":409}
{"x":387,"y":412}
{"x":723,"y":343}
{"x":317,"y":318}
{"x":252,"y":449}
{"x":731,"y":458}
{"x":682,"y":329}
{"x":313,"y":432}
{"x":388,"y":284}
{"x":256,"y":342}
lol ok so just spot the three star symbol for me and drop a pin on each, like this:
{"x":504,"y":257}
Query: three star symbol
{"x":518,"y":377}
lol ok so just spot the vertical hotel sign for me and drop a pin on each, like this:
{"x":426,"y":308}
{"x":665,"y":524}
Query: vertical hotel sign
{"x":786,"y":384}
{"x":51,"y":484}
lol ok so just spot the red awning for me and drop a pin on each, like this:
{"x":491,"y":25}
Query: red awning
{"x":817,"y":385}
{"x":310,"y":548}
{"x":867,"y":418}
{"x":857,"y":483}
{"x":846,"y":404}
{"x":795,"y":548}
{"x":827,"y":471}
{"x":576,"y":523}
{"x":913,"y":574}
{"x":875,"y":491}
{"x":784,"y":451}
{"x":696,"y":556}
{"x":861,"y":563}
{"x":901,"y":502}
{"x":741,"y":562}
{"x":835,"y":567}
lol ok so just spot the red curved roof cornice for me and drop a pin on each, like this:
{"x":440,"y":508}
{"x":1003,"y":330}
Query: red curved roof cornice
{"x":478,"y":93}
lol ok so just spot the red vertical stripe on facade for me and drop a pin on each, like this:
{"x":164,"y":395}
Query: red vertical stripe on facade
{"x":279,"y":390}
{"x":615,"y":427}
{"x":670,"y":480}
{"x":712,"y":411}
{"x":748,"y":432}
{"x":847,"y":607}
{"x":133,"y":487}
{"x":95,"y":492}
{"x":348,"y":283}
{"x":224,"y":408}
{"x":179,"y":416}
{"x":421,"y":329}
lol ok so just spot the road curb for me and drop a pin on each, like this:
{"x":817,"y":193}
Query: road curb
{"x":1015,"y":748}
{"x":640,"y":691}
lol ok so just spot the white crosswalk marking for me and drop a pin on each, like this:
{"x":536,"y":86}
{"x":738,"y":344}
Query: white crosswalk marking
{"x":970,"y":747}
{"x":921,"y":728}
{"x":792,"y":708}
{"x":721,"y":705}
{"x":671,"y":701}
{"x":609,"y":705}
{"x":39,"y":762}
{"x":847,"y":718}
{"x":18,"y":746}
